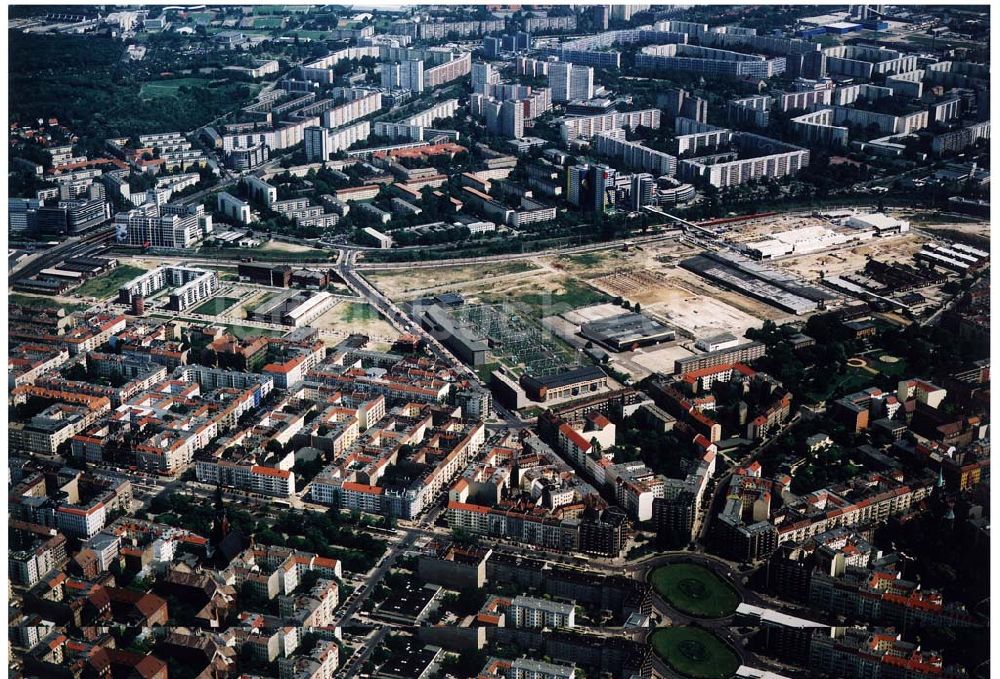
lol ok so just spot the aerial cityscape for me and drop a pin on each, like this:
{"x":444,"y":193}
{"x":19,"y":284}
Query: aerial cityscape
{"x":498,"y":341}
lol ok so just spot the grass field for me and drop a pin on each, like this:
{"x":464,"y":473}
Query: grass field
{"x":927,"y":41}
{"x":896,"y":368}
{"x":572,"y":295}
{"x":44,"y":303}
{"x":267,"y":254}
{"x":243,"y":331}
{"x":215,"y":306}
{"x":106,"y":285}
{"x":695,"y":590}
{"x":168,"y":88}
{"x":314,"y":35}
{"x":695,"y":653}
{"x":587,"y":259}
{"x":852,"y":380}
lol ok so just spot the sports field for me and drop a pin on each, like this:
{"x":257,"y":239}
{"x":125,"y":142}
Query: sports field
{"x":695,"y":590}
{"x":267,"y":22}
{"x":168,"y":88}
{"x":694,"y":653}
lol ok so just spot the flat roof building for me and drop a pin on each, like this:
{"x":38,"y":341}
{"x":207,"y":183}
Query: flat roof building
{"x":625,"y":332}
{"x":467,"y":344}
{"x":574,"y":382}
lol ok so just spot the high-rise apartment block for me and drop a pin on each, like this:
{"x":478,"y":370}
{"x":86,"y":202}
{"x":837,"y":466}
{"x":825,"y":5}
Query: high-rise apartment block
{"x":405,"y":75}
{"x":483,"y":75}
{"x":512,"y":119}
{"x":570,"y":81}
{"x":590,"y":187}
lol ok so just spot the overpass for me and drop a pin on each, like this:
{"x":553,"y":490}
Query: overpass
{"x":686,"y":225}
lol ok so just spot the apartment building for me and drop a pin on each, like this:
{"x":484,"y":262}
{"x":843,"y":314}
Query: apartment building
{"x":189,"y":286}
{"x":708,"y":61}
{"x":863,"y":653}
{"x":862,"y":61}
{"x":742,"y":353}
{"x":360,"y":103}
{"x":958,"y":140}
{"x":818,"y":128}
{"x":721,"y":173}
{"x":321,"y":143}
{"x":885,"y":122}
{"x":459,"y":66}
{"x":245,"y":475}
{"x":586,"y":127}
{"x":526,"y":611}
{"x":793,"y":101}
{"x":233,"y":208}
{"x":570,"y":82}
{"x":136,"y":228}
{"x":634,"y":155}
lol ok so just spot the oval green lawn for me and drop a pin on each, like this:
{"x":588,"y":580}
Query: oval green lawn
{"x":695,"y":653}
{"x":695,"y":590}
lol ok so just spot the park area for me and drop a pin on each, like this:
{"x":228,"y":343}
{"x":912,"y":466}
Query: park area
{"x":694,"y":590}
{"x":861,"y":372}
{"x":694,"y":653}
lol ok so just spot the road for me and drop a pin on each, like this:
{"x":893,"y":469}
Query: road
{"x":352,"y":668}
{"x":358,"y":597}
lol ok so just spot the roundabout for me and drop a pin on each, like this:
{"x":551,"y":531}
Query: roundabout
{"x":695,"y":590}
{"x":694,"y":652}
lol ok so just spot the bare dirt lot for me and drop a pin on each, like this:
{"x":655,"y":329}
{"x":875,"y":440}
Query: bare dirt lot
{"x":756,"y":229}
{"x":411,"y":283}
{"x":698,"y":314}
{"x":593,"y":313}
{"x":354,"y":317}
{"x":644,"y":362}
{"x":850,"y":260}
{"x":603,"y":262}
{"x":946,"y":230}
{"x":634,"y":284}
{"x":281,"y":246}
